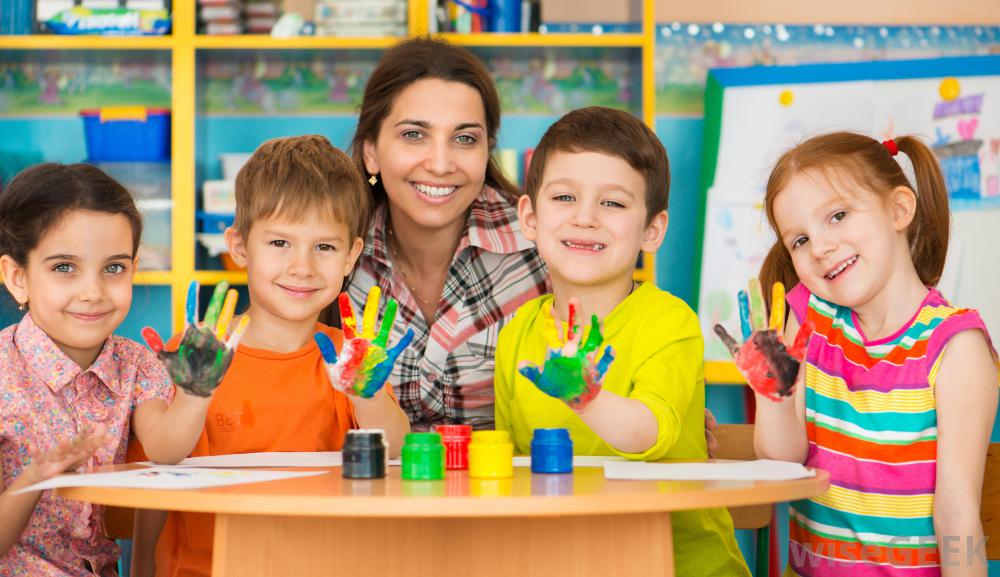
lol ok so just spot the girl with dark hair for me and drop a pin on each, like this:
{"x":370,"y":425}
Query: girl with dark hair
{"x":897,"y":391}
{"x":71,"y":391}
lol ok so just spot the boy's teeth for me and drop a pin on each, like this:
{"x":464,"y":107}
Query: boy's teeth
{"x":435,"y":190}
{"x":841,"y":268}
{"x":594,"y":246}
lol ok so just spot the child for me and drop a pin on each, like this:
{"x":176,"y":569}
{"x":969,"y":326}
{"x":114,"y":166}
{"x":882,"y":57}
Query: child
{"x":70,"y":391}
{"x":597,"y":195}
{"x":900,"y":387}
{"x":301,"y":211}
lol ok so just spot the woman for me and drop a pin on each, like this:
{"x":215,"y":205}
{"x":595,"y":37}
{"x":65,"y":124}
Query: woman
{"x":445,"y":241}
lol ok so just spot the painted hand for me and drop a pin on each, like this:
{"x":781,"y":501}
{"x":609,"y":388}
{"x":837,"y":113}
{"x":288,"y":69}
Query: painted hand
{"x":768,"y":365}
{"x":204,"y":353}
{"x":364,"y":364}
{"x":572,"y":373}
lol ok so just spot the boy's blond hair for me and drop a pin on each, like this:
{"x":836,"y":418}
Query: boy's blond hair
{"x":297,"y":175}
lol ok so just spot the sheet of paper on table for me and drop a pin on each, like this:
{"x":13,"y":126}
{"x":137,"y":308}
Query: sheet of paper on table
{"x":167,"y":478}
{"x":761,"y":470}
{"x":275,"y":459}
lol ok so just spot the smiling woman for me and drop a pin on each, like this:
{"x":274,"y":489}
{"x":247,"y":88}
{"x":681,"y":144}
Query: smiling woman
{"x":445,"y":241}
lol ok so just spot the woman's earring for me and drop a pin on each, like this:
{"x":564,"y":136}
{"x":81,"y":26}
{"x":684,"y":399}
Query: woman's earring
{"x":21,"y":306}
{"x":372,"y":180}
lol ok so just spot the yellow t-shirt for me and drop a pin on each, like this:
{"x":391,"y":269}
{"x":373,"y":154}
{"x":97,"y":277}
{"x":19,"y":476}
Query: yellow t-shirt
{"x":659,"y":355}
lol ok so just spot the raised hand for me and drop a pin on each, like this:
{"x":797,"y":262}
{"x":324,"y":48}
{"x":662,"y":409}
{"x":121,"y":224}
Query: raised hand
{"x":572,"y":373}
{"x":364,"y":364}
{"x":69,"y":455}
{"x":768,"y":365}
{"x":204,"y":353}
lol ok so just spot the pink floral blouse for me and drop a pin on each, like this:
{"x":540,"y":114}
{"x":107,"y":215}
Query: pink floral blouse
{"x":46,"y":398}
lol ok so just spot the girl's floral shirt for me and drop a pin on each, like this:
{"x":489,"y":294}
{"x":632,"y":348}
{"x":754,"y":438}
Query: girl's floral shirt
{"x":46,"y":398}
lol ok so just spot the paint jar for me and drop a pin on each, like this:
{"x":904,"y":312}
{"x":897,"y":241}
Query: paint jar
{"x":491,"y":455}
{"x":364,"y":454}
{"x":551,"y":451}
{"x":456,"y":440}
{"x":423,"y":457}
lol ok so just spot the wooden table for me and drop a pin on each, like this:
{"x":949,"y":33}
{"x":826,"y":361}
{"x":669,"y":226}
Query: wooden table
{"x":530,"y":525}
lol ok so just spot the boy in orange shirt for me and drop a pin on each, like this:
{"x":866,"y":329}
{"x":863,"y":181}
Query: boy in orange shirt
{"x":302,"y":209}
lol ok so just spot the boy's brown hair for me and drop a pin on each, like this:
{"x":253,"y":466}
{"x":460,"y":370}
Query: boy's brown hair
{"x":608,"y":131}
{"x":296,"y":175}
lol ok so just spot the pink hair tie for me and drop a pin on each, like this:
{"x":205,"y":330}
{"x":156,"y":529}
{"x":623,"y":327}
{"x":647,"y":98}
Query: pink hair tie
{"x":890,"y":145}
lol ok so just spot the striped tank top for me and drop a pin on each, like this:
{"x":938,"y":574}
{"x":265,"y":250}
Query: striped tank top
{"x":871,"y":421}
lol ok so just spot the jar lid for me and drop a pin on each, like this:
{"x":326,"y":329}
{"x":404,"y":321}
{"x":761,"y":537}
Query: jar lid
{"x":423,"y":439}
{"x":491,"y":437}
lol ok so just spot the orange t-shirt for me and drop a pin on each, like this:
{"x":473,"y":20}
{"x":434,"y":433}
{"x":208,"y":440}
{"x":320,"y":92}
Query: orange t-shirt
{"x":267,"y":401}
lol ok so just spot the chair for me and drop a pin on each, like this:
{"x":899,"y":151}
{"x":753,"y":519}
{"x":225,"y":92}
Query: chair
{"x":118,"y":522}
{"x":989,"y":510}
{"x":736,"y":442}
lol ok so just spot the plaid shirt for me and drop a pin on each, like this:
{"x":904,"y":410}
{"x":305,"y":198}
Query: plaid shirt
{"x":446,"y":374}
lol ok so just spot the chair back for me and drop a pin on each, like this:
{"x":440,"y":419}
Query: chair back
{"x":736,"y":442}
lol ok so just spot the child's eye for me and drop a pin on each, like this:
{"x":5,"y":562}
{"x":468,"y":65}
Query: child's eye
{"x":612,"y":204}
{"x":799,"y":242}
{"x":839,"y":216}
{"x":324,"y":247}
{"x":465,"y":139}
{"x":64,"y":267}
{"x":412,"y":135}
{"x":563,"y":198}
{"x":279,"y":243}
{"x":115,"y":268}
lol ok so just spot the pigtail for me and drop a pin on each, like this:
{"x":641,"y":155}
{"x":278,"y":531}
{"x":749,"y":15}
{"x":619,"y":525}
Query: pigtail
{"x":929,"y":231}
{"x":777,"y":267}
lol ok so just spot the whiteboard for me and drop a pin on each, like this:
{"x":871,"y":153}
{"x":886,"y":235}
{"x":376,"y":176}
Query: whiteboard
{"x":753,"y":115}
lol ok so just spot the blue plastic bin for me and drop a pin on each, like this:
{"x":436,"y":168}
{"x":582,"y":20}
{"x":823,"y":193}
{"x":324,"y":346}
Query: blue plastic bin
{"x":127,"y":140}
{"x":214,"y":222}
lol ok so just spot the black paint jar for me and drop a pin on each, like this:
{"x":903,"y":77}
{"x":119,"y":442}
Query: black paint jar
{"x":364,"y":454}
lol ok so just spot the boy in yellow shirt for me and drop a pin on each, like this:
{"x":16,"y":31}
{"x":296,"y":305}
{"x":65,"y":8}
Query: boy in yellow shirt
{"x":597,"y":195}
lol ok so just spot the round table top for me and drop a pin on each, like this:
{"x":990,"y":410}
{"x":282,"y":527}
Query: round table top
{"x":584,"y":492}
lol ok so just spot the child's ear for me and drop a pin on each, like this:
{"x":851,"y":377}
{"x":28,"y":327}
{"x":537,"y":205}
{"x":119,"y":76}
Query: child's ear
{"x":352,"y":257}
{"x":904,"y":207}
{"x":237,"y":246}
{"x":526,"y":216}
{"x":657,"y":228}
{"x":14,"y":279}
{"x":371,"y":160}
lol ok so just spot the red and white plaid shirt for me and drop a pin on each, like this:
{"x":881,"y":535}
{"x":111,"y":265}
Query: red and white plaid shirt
{"x":446,"y":374}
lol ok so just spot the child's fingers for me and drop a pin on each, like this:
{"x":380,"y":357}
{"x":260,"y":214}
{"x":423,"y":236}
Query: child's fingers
{"x":744,"y":302}
{"x":348,"y":323}
{"x":326,"y":348}
{"x":241,"y":328}
{"x":595,"y":338}
{"x":571,"y":331}
{"x":370,"y":312}
{"x":605,"y":362}
{"x":226,"y":317}
{"x":152,"y":338}
{"x":727,"y":339}
{"x":777,"y":323}
{"x":395,"y":351}
{"x":215,"y":305}
{"x":758,"y":322}
{"x":530,"y":371}
{"x":192,"y":303}
{"x":387,"y":321}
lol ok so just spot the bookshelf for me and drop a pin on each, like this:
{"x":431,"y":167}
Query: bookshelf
{"x":185,"y":47}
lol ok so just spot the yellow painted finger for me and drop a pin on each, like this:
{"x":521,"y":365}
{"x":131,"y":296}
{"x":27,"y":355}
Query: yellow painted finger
{"x":371,"y":310}
{"x":758,"y":320}
{"x":778,"y":308}
{"x":226,"y":316}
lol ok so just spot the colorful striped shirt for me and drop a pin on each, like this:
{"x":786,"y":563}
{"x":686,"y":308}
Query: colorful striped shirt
{"x":871,"y":421}
{"x":446,"y":374}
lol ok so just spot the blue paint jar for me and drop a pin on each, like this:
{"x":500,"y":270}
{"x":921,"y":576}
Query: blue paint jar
{"x":551,"y":451}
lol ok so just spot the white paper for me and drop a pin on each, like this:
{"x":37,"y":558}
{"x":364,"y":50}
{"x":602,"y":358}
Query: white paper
{"x":762,"y":470}
{"x":167,"y":478}
{"x":273,"y":459}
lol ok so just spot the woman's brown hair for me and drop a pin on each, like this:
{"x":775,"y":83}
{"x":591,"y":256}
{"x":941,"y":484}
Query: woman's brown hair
{"x":867,"y":163}
{"x":418,"y":59}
